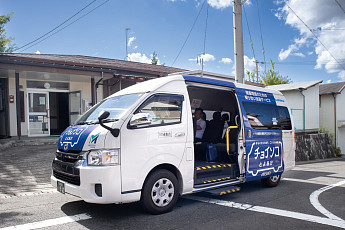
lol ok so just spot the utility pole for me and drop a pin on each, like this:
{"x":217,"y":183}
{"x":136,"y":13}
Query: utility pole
{"x":126,"y":58}
{"x":238,"y":41}
{"x":256,"y":70}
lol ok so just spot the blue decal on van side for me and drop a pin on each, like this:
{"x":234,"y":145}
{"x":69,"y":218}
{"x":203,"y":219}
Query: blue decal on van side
{"x":74,"y":137}
{"x":255,"y":96}
{"x":264,"y":158}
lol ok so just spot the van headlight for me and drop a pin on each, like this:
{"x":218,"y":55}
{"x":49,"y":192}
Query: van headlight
{"x":103,"y":157}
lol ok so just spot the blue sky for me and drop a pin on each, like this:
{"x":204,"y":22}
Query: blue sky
{"x":162,"y":26}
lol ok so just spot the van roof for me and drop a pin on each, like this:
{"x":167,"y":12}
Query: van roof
{"x":152,"y":85}
{"x":213,"y":81}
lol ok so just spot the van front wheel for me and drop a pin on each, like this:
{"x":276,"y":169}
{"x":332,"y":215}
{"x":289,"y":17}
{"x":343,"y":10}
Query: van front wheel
{"x":160,"y":192}
{"x":272,"y":181}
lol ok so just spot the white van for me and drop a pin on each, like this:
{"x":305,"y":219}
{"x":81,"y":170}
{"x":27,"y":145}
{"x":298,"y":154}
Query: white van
{"x":138,"y":144}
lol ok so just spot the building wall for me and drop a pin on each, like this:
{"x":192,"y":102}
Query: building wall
{"x":340,"y":107}
{"x":312,"y":108}
{"x":12,"y":106}
{"x":327,"y":113}
{"x":295,"y":101}
{"x":76,"y":83}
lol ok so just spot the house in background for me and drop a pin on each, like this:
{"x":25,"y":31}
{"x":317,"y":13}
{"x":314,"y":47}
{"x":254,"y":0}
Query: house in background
{"x":332,"y":111}
{"x":303,"y":99}
{"x":42,"y":94}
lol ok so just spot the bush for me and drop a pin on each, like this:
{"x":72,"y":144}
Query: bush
{"x":336,"y":149}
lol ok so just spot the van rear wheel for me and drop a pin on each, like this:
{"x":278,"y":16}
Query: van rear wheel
{"x":160,"y":192}
{"x":272,"y":181}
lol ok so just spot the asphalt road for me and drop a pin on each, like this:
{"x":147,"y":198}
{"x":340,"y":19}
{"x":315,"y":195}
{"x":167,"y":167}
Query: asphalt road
{"x":296,"y":203}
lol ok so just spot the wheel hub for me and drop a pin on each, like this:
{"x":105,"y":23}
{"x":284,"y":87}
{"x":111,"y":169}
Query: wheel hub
{"x":162,"y":192}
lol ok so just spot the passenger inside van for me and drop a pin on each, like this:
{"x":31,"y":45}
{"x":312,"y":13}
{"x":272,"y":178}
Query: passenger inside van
{"x":199,"y":125}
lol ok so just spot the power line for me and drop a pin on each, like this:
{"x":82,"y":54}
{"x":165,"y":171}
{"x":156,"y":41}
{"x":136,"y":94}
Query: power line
{"x":340,"y":6}
{"x":315,"y":36}
{"x":206,"y":28}
{"x":67,"y":25}
{"x":250,"y":36}
{"x":55,"y":27}
{"x":190,"y":31}
{"x":262,"y":40}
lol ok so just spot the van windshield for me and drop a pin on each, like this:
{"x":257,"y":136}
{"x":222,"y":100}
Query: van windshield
{"x":116,"y":106}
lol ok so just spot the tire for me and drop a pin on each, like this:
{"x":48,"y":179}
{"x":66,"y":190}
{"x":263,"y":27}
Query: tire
{"x":160,"y":192}
{"x":272,"y":181}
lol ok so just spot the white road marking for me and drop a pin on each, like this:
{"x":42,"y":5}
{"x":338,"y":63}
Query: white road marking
{"x":316,"y":180}
{"x":273,"y":211}
{"x":50,"y":222}
{"x":314,"y":200}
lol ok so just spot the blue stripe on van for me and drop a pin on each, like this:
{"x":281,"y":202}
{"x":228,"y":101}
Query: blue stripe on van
{"x":208,"y":81}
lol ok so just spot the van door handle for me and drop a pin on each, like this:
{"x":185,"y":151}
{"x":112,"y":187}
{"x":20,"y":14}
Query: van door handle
{"x":180,"y":134}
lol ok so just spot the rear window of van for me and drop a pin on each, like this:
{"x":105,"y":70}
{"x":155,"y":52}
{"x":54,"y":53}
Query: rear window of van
{"x":267,"y":116}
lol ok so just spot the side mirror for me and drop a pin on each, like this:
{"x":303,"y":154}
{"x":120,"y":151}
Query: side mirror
{"x":103,"y":115}
{"x":140,"y":119}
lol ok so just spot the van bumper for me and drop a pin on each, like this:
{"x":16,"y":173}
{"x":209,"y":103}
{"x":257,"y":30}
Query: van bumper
{"x":108,"y":177}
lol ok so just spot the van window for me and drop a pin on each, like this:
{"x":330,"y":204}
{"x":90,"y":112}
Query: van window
{"x":284,"y":118}
{"x":165,"y":109}
{"x":262,"y":116}
{"x":267,"y":116}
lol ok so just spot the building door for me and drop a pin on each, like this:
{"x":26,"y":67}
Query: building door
{"x":74,"y":106}
{"x":38,"y":114}
{"x":58,"y":112}
{"x":4,"y":127}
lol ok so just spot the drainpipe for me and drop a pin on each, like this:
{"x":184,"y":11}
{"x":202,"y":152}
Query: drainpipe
{"x":19,"y":125}
{"x":93,"y":91}
{"x":335,"y":119}
{"x":301,"y":91}
{"x":96,"y":86}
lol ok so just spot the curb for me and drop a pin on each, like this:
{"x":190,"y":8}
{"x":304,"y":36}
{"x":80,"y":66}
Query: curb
{"x":33,"y":142}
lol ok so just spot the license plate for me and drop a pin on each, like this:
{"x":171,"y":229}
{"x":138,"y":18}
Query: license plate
{"x":60,"y":187}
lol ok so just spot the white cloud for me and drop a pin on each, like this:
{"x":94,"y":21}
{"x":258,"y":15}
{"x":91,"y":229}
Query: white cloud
{"x":219,"y":4}
{"x":222,"y":4}
{"x":37,"y":52}
{"x":138,"y":57}
{"x":205,"y":57}
{"x":291,"y":50}
{"x":341,"y":75}
{"x":135,"y":47}
{"x":131,"y":40}
{"x":299,"y":54}
{"x":322,"y":18}
{"x":329,"y":81}
{"x":226,"y":60}
{"x":249,"y":64}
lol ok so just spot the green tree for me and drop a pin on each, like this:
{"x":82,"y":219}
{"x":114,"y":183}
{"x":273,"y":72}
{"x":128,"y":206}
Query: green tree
{"x":251,"y":76}
{"x":5,"y":42}
{"x":154,"y":59}
{"x":272,"y":77}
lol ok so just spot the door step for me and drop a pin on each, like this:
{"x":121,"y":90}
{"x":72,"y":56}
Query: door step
{"x":211,"y":167}
{"x":224,"y":190}
{"x":209,"y":180}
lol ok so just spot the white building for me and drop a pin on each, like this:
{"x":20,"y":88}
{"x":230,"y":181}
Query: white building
{"x":303,"y":99}
{"x":332,"y":111}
